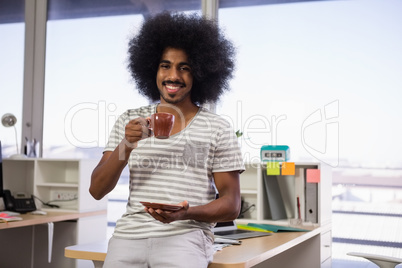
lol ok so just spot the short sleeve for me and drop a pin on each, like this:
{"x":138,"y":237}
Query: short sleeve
{"x":227,"y":156}
{"x":117,"y":133}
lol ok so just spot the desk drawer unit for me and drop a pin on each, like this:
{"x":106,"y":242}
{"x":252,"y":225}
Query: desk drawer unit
{"x":326,"y":246}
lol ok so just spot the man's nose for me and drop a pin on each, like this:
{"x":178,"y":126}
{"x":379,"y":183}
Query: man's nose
{"x":173,"y":74}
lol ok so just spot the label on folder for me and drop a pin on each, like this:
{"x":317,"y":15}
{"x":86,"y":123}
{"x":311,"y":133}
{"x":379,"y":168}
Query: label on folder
{"x":288,"y":168}
{"x":273,"y":168}
{"x":313,"y":176}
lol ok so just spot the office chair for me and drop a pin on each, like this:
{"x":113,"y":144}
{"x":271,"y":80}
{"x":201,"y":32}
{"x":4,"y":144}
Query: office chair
{"x":380,"y":260}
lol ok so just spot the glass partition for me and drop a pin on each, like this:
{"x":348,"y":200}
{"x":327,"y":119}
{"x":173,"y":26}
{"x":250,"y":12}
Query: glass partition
{"x":12,"y":30}
{"x":323,"y":78}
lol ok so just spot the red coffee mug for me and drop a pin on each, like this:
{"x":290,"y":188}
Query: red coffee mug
{"x":162,"y":124}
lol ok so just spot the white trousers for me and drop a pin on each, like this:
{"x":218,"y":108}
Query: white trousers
{"x":192,"y":249}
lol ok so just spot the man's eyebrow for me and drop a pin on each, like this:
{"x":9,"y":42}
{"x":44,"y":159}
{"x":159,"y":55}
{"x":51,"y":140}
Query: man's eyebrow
{"x":164,"y":61}
{"x":180,"y":64}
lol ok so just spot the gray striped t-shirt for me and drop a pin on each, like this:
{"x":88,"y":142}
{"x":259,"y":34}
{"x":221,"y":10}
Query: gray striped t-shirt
{"x":173,"y":170}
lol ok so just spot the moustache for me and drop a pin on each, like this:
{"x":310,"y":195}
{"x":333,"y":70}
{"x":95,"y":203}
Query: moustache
{"x":168,"y":82}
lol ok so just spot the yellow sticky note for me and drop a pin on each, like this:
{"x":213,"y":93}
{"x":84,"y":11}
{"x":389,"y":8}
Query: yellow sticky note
{"x":273,"y":168}
{"x":288,"y":168}
{"x":313,"y":175}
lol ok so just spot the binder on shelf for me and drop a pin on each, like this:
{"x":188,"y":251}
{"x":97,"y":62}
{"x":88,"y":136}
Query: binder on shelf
{"x":275,"y":207}
{"x":311,"y":213}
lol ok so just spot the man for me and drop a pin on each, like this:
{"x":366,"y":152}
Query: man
{"x":182,"y":62}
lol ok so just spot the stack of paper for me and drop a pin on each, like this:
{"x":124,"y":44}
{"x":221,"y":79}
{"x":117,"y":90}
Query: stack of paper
{"x":6,"y":217}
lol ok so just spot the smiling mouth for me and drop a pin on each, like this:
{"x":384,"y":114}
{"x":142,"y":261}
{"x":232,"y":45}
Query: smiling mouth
{"x":172,"y":87}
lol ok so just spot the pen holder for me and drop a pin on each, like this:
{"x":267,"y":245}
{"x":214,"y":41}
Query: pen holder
{"x":32,"y":149}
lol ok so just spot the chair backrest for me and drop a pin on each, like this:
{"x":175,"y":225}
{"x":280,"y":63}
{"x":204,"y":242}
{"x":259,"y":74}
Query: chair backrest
{"x":381,"y":260}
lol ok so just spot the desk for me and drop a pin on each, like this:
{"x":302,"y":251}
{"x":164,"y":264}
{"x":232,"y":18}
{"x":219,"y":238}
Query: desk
{"x":292,"y":249}
{"x":29,"y":219}
{"x":29,"y":242}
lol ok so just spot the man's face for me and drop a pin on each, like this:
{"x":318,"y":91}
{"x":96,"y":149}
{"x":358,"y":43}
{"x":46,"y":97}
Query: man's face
{"x":174,"y":77}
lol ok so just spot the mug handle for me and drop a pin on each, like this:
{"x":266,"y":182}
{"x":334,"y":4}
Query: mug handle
{"x":148,"y":119}
{"x":151,"y":130}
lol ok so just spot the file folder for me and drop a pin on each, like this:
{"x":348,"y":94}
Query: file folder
{"x":275,"y":207}
{"x":276,"y":228}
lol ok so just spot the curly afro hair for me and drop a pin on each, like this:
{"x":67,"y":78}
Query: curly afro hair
{"x":211,"y":55}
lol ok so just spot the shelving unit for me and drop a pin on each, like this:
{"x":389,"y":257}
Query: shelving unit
{"x":65,"y":182}
{"x":56,"y":179}
{"x":253,"y":192}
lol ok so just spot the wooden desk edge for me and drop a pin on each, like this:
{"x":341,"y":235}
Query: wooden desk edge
{"x":282,"y":248}
{"x":84,"y":255}
{"x":85,"y":252}
{"x":29,"y":219}
{"x":270,"y":253}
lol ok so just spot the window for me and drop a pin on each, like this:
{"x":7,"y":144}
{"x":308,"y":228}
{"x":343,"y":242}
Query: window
{"x":315,"y":70}
{"x":323,"y":78}
{"x":12,"y":30}
{"x":87,"y":85}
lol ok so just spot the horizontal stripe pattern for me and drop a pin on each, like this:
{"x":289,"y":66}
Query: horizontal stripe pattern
{"x":173,"y":170}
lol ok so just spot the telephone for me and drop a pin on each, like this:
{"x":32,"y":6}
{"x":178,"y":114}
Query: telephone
{"x":18,"y":204}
